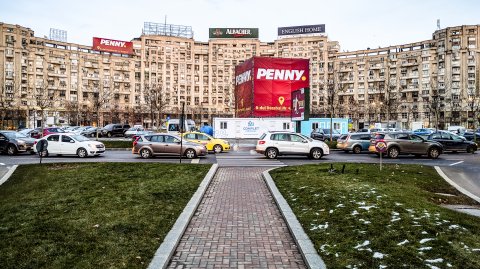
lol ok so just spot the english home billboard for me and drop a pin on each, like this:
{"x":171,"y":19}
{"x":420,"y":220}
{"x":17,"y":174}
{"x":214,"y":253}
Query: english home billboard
{"x":301,"y":30}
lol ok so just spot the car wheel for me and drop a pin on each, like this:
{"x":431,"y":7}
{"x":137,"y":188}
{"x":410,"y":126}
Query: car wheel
{"x":145,"y":153}
{"x":393,"y":152}
{"x":11,"y":150}
{"x":316,"y":153}
{"x":190,"y":153}
{"x":357,"y":149}
{"x":109,"y":134}
{"x":433,"y":153}
{"x":82,"y":153}
{"x":271,"y":153}
{"x":217,"y":149}
{"x":471,"y":149}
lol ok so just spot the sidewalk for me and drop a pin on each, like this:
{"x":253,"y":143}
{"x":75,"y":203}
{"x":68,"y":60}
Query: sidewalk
{"x":237,"y":225}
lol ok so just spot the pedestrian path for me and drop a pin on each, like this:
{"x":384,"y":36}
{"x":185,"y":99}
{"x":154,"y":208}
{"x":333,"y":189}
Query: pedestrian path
{"x":237,"y":225}
{"x":246,"y":159}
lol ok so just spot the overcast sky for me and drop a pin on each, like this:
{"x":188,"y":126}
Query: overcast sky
{"x":356,"y":24}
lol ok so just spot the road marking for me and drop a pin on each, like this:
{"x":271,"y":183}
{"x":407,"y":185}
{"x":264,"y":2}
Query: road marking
{"x":196,"y":160}
{"x":2,"y":164}
{"x":456,"y":163}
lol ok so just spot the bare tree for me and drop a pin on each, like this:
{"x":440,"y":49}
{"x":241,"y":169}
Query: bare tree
{"x":155,"y":100}
{"x":100,"y":98}
{"x":44,"y":100}
{"x":73,"y":112}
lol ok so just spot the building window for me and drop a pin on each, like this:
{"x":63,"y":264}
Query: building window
{"x":223,"y":125}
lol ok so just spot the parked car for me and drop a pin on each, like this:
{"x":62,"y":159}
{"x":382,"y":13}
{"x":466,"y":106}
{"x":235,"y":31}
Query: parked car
{"x":355,"y":142}
{"x":91,"y":132}
{"x":115,"y":130}
{"x":470,"y":135}
{"x":406,"y":143}
{"x":71,"y":144}
{"x":34,"y":133}
{"x":136,"y":131}
{"x":423,"y":131}
{"x":52,"y":130}
{"x":323,"y":134}
{"x":212,"y":144}
{"x":166,"y":144}
{"x":13,"y":143}
{"x":273,"y":144}
{"x":457,"y":129}
{"x":453,"y":142}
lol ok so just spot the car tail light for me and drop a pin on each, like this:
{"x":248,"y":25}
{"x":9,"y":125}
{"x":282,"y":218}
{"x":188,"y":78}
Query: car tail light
{"x":261,"y":142}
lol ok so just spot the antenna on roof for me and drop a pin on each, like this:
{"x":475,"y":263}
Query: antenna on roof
{"x":438,"y":24}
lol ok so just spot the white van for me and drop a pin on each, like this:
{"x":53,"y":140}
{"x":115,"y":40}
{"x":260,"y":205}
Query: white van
{"x":457,"y":129}
{"x":173,"y":126}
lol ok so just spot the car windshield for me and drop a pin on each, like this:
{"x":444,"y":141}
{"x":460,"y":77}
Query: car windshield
{"x":80,"y":138}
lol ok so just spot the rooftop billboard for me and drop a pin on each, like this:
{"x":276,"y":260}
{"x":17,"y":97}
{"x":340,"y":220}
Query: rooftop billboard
{"x":233,"y":32}
{"x":301,"y":30}
{"x":113,"y":46}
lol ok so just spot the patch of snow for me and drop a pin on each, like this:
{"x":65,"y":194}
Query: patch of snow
{"x":454,"y":226}
{"x":355,"y":212}
{"x":331,"y":211}
{"x":449,"y":265}
{"x":475,"y":249}
{"x":364,"y":221}
{"x":322,"y":227}
{"x":340,"y":205}
{"x":303,"y":187}
{"x":360,"y":203}
{"x":425,"y":240}
{"x":336,"y":255}
{"x":367,"y":207}
{"x":382,"y":266}
{"x":425,"y":248}
{"x":403,"y":242}
{"x":423,"y":232}
{"x":439,"y":260}
{"x":395,"y":219}
{"x":395,"y":213}
{"x":378,"y":255}
{"x":399,"y":204}
{"x":365,"y":243}
{"x":432,"y":266}
{"x":322,"y":247}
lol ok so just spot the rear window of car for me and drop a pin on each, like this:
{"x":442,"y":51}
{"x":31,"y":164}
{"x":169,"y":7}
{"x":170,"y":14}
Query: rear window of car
{"x":263,"y":136}
{"x":344,"y":137}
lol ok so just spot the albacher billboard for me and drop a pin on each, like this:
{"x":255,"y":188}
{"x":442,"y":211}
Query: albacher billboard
{"x":114,"y":46}
{"x":264,"y":85}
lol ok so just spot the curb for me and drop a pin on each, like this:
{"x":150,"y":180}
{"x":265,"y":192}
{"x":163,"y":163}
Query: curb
{"x":306,"y":248}
{"x":118,"y":149}
{"x":8,"y":174}
{"x":165,"y":252}
{"x":460,"y":189}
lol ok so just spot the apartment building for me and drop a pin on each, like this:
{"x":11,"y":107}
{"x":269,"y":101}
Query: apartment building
{"x":433,"y":81}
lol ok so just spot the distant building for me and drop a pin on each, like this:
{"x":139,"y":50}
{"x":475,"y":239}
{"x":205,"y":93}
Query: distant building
{"x":433,"y":81}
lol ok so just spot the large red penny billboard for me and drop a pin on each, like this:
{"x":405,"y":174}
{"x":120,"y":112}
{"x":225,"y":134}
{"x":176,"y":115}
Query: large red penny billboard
{"x":113,"y":46}
{"x":272,"y":81}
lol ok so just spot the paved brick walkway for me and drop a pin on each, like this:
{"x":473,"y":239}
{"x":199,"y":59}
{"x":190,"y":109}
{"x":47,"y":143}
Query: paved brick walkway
{"x":237,"y":225}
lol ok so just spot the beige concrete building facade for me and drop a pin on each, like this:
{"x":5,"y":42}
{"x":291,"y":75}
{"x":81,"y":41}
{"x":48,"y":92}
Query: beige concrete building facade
{"x":434,"y":82}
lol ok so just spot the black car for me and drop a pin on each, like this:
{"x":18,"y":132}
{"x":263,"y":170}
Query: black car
{"x":323,"y":134}
{"x":115,"y":129}
{"x":470,"y":136}
{"x":453,"y":142}
{"x":14,"y":142}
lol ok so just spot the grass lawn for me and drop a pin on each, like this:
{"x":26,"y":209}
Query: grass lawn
{"x":91,"y":215}
{"x":387,"y":219}
{"x":117,"y":144}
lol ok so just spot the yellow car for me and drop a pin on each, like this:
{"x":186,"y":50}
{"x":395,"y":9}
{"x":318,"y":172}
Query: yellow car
{"x":213,"y":144}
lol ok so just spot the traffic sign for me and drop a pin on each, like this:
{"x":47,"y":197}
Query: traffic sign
{"x":381,"y":146}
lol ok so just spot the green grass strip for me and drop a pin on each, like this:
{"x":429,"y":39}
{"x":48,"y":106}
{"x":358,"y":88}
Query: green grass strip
{"x":365,"y":218}
{"x":91,"y":215}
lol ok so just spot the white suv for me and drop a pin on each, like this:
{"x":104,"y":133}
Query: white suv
{"x":273,"y":144}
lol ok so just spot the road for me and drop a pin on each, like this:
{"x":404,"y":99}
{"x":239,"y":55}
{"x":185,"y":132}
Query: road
{"x":462,"y":168}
